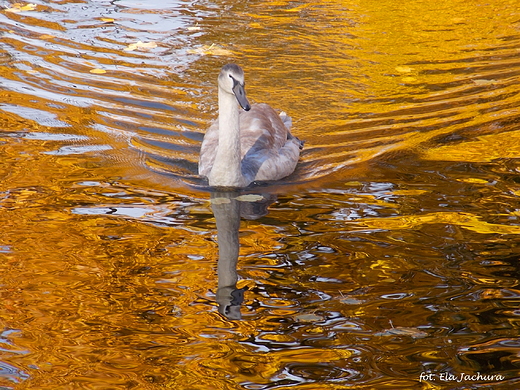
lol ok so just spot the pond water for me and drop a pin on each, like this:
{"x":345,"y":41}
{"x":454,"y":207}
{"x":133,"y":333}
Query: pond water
{"x":389,"y":259}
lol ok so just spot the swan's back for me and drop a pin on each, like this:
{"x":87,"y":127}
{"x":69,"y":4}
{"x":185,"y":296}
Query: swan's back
{"x":268,"y":150}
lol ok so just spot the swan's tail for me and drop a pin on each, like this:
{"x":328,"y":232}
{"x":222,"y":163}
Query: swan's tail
{"x":286,"y":119}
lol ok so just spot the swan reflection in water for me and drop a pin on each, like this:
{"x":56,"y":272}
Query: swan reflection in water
{"x":229,"y":207}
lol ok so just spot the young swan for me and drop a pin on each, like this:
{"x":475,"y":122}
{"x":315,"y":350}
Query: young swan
{"x":244,"y":146}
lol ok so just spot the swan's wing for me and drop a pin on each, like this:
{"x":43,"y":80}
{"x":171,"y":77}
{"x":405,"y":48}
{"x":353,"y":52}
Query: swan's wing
{"x":262,"y":128}
{"x":281,"y":164}
{"x":208,"y":149}
{"x":269,"y":151}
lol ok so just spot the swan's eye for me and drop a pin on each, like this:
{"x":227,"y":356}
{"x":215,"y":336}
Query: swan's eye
{"x":235,"y":82}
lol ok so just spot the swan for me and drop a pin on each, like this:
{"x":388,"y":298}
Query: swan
{"x":241,"y":147}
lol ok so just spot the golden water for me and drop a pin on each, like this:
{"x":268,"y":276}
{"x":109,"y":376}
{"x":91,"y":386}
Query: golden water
{"x":390,"y":254}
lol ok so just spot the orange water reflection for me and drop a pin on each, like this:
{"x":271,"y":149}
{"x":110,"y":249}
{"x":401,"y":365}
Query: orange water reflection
{"x":391,"y":252}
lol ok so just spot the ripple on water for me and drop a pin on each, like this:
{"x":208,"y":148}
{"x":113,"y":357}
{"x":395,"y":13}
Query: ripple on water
{"x":390,"y":252}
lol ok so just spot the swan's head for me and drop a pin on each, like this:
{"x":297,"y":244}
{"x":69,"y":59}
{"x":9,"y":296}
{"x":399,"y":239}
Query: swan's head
{"x":231,"y":80}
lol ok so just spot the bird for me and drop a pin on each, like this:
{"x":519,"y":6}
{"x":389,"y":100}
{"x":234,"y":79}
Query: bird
{"x":249,"y":145}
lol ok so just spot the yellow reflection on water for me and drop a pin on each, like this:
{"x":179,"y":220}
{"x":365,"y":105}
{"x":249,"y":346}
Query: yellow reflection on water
{"x":108,"y":275}
{"x":467,"y":221}
{"x":484,"y":149}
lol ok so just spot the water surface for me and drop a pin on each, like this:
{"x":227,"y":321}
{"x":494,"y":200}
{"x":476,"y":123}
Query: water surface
{"x":388,"y":259}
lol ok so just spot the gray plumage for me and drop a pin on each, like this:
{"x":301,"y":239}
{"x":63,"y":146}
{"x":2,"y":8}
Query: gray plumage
{"x":245,"y":146}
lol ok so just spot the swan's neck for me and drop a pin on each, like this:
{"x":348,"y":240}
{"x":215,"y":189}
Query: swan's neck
{"x":227,"y":168}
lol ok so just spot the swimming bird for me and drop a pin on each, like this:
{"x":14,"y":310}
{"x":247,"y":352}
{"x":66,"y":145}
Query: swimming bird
{"x":241,"y":147}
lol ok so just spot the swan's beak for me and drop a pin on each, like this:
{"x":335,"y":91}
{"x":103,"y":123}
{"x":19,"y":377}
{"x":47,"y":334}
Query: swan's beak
{"x":240,"y":94}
